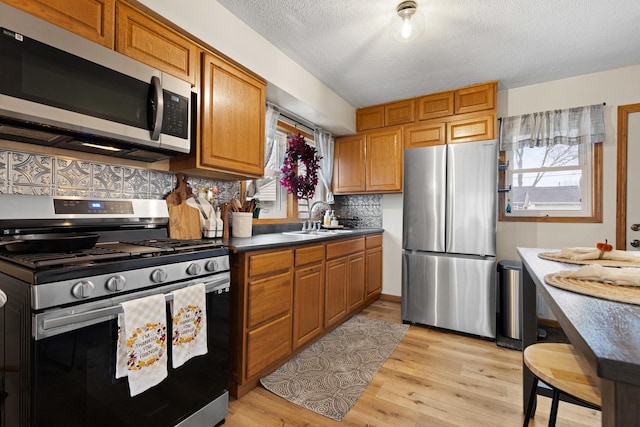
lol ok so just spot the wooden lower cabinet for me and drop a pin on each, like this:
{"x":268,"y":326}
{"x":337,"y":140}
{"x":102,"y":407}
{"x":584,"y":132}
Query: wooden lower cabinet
{"x":308,"y":294}
{"x":335,"y":291}
{"x":261,"y":294}
{"x":285,"y":299}
{"x":355,"y":283}
{"x":344,"y":283}
{"x":373,"y":267}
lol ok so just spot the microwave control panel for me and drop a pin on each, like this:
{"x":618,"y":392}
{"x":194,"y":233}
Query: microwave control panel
{"x":175,"y":119}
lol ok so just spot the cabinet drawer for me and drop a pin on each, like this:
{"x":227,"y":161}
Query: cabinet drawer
{"x":346,"y":247}
{"x":309,"y":254}
{"x":373,"y":241}
{"x":268,"y":298}
{"x":270,"y":262}
{"x":267,"y":344}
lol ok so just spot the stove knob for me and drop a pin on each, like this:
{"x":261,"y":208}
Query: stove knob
{"x":83,"y":289}
{"x":116,"y":283}
{"x":193,"y":269}
{"x":159,"y":275}
{"x":211,"y":265}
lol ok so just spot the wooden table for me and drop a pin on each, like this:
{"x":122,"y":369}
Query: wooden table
{"x":607,"y":333}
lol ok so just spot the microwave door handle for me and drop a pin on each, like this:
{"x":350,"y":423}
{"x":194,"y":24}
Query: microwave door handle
{"x":158,"y":100}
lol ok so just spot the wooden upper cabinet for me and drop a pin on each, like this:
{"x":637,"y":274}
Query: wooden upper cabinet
{"x":370,"y":118}
{"x":369,"y":162}
{"x":425,"y":134}
{"x":476,"y":98}
{"x":232,"y":119}
{"x":472,"y":127}
{"x":378,"y":116}
{"x":399,"y":113}
{"x":435,"y":105}
{"x":383,"y":156}
{"x":349,"y":165}
{"x":91,"y":19}
{"x":147,"y":40}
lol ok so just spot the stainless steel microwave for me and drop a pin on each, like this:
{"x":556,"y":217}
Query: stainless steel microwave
{"x":59,"y":89}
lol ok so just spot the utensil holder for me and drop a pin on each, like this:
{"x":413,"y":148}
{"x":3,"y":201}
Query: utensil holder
{"x":241,"y":224}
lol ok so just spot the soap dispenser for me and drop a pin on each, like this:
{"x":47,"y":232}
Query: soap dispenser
{"x":327,"y":218}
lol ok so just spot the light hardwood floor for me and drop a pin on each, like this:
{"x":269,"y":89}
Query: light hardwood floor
{"x":433,"y":378}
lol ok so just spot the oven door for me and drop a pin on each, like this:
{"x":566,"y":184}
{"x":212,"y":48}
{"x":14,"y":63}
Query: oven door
{"x":74,"y":371}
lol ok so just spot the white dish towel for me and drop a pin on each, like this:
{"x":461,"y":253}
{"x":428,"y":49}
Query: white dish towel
{"x":189,"y":317}
{"x":141,"y":353}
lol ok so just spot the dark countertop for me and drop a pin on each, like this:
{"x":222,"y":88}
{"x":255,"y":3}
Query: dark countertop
{"x":279,"y":240}
{"x":607,"y":332}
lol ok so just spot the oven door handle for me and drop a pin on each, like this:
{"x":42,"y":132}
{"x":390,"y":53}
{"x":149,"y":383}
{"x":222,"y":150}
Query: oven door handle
{"x":66,"y":322}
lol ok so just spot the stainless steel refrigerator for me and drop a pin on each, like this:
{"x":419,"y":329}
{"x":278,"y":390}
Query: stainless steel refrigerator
{"x":449,"y":237}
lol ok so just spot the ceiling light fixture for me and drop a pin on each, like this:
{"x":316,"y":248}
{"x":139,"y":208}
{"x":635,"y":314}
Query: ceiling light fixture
{"x":408,"y":24}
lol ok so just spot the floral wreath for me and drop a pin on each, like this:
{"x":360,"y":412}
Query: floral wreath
{"x":135,"y":364}
{"x":179,"y":339}
{"x":302,"y":186}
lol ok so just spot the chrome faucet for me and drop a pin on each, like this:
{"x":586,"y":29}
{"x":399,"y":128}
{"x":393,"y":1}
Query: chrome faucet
{"x":313,"y":205}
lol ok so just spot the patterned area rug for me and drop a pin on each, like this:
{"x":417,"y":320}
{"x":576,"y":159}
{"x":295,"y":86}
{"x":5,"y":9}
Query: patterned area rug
{"x":331,"y":375}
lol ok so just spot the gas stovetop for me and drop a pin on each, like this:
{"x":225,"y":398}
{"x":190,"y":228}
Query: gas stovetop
{"x":108,"y":251}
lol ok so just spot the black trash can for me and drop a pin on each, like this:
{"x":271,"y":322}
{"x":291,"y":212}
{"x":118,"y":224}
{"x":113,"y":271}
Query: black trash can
{"x":510,"y":274}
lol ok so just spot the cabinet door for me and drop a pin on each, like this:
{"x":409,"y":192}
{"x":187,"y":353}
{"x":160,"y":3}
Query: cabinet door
{"x":399,"y":113}
{"x":232,"y":120}
{"x":475,"y":98}
{"x":349,"y":167}
{"x":384,"y":160}
{"x":91,"y":19}
{"x":356,"y":282}
{"x":435,"y":105}
{"x":471,"y":127}
{"x":335,"y":304}
{"x":370,"y":118}
{"x":308,"y":304}
{"x":142,"y":38}
{"x":426,"y":134}
{"x":373,"y":265}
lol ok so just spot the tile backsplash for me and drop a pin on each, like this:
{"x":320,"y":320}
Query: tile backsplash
{"x":23,"y":172}
{"x":51,"y":175}
{"x":359,"y":210}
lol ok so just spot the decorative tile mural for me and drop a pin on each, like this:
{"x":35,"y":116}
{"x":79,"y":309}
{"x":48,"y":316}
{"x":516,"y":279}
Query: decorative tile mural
{"x":38,"y":174}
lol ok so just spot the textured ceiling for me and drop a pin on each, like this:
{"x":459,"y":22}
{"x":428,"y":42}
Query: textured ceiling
{"x":346,"y":45}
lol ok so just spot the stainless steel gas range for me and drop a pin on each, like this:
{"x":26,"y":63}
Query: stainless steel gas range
{"x":66,"y":266}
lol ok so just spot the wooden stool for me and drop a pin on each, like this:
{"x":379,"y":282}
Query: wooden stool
{"x":562,"y":369}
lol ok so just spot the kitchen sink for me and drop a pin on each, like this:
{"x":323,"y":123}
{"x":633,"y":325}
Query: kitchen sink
{"x":315,"y":233}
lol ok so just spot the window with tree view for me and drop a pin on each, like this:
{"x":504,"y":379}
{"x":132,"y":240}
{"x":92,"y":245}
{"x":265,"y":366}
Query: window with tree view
{"x":553,"y":165}
{"x":552,"y":180}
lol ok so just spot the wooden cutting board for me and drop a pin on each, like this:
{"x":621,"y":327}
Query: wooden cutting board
{"x":184,"y":222}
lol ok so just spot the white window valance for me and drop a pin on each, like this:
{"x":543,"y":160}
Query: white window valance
{"x":571,"y":126}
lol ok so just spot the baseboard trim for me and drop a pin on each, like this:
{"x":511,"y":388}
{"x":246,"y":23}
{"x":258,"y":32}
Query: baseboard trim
{"x":550,"y":323}
{"x":392,"y":298}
